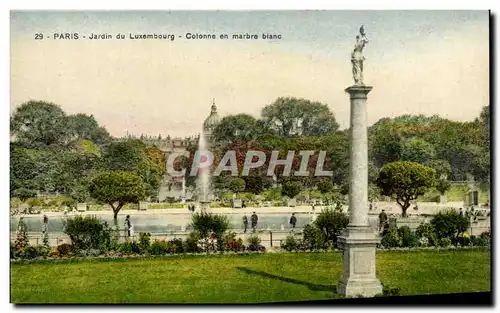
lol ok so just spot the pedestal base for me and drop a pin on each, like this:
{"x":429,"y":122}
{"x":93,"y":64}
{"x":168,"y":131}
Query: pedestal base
{"x":358,"y":246}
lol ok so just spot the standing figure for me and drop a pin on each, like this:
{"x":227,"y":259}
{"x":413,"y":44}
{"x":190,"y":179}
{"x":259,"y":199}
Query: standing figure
{"x":382,"y":217}
{"x":357,"y":57}
{"x":127,"y":225}
{"x":313,"y":207}
{"x":293,"y":220}
{"x":254,"y":218}
{"x":245,"y":223}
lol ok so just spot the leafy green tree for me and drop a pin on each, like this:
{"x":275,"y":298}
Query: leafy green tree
{"x":405,"y":181}
{"x":83,"y":126}
{"x":442,"y":185}
{"x":290,"y":117}
{"x":236,"y":184}
{"x":256,"y":184}
{"x":39,"y":123}
{"x":117,"y":188}
{"x":386,"y":144}
{"x":291,"y":189}
{"x":24,"y":193}
{"x":417,"y":150}
{"x":442,"y":167}
{"x":236,"y":127}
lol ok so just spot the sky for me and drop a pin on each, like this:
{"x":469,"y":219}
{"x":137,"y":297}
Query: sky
{"x":418,"y":62}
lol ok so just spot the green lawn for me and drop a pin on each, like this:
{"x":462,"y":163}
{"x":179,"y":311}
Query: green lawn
{"x":240,"y":278}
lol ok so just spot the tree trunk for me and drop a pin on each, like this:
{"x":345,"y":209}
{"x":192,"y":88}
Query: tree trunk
{"x":405,"y":207}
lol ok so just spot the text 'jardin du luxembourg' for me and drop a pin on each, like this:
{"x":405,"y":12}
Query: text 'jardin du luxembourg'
{"x":157,"y":36}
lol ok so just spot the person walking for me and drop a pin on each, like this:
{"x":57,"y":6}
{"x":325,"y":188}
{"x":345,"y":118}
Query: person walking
{"x":293,"y":220}
{"x":254,"y":218}
{"x":382,"y":217}
{"x":245,"y":223}
{"x":128,"y":225}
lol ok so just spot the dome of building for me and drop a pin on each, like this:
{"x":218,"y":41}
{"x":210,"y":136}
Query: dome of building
{"x":212,"y":120}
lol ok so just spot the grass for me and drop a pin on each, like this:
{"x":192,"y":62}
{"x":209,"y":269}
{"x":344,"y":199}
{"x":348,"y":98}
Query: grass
{"x":456,"y":193}
{"x":240,"y":278}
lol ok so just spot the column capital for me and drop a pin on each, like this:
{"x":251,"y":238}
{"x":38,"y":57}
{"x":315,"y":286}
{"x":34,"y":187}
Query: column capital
{"x":358,"y":91}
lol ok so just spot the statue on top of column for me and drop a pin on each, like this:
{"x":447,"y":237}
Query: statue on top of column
{"x":357,"y":57}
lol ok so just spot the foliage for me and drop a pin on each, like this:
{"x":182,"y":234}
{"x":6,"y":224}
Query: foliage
{"x":81,"y":126}
{"x":443,"y":185}
{"x":405,"y":181}
{"x":391,"y":292}
{"x":233,"y":244}
{"x":129,"y":247}
{"x":22,"y":240}
{"x":24,"y":193}
{"x":39,"y":123}
{"x":254,"y":240}
{"x":158,"y":247}
{"x":29,"y":252}
{"x":290,"y":243}
{"x":291,"y":189}
{"x":426,"y":231}
{"x":175,"y":246}
{"x":117,"y":188}
{"x":325,"y":186}
{"x":205,"y":224}
{"x":450,"y":224}
{"x":408,"y":237}
{"x":64,"y":249}
{"x":313,"y":238}
{"x":87,"y":232}
{"x":391,"y":239}
{"x":417,"y":150}
{"x":291,"y":116}
{"x":331,"y":223}
{"x":236,"y":127}
{"x":191,"y":243}
{"x":271,"y":194}
{"x":444,"y":242}
{"x":144,"y":241}
{"x":480,"y":241}
{"x":386,"y":143}
{"x":236,"y":184}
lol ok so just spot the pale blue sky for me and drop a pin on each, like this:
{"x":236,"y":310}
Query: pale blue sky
{"x":419,"y":62}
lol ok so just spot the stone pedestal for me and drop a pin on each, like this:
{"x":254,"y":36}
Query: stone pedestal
{"x":358,"y":246}
{"x":359,"y":241}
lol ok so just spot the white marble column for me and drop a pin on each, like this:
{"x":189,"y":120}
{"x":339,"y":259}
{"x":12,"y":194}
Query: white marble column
{"x":359,"y":241}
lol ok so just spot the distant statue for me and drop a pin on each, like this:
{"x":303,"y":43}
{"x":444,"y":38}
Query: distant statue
{"x":357,"y":57}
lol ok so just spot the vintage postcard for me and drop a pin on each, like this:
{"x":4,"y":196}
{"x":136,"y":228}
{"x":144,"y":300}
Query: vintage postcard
{"x":250,"y":157}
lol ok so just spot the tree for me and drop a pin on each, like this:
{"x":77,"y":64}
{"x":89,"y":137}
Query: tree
{"x":256,"y":184}
{"x":442,"y":167}
{"x":236,"y":127}
{"x":134,"y":156}
{"x":405,"y":181}
{"x":325,"y":186}
{"x":83,"y":126}
{"x":236,"y":184}
{"x":386,"y":144}
{"x":117,"y":188}
{"x":291,"y":189}
{"x":289,"y":117}
{"x":39,"y":123}
{"x":442,"y":185}
{"x":417,"y":150}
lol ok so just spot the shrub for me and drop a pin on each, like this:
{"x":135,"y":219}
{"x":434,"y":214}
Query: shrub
{"x":450,"y":224}
{"x":29,"y":252}
{"x":254,"y":240}
{"x":205,"y":224}
{"x":481,"y":241}
{"x":445,"y":242}
{"x":64,"y":249}
{"x":408,"y":237}
{"x":391,"y":240}
{"x":290,"y":243}
{"x":233,"y":244}
{"x":427,"y":231}
{"x":258,"y":248}
{"x":129,"y":247}
{"x":331,"y":223}
{"x":13,"y":251}
{"x":158,"y":247}
{"x":313,"y":238}
{"x":144,"y":241}
{"x":53,"y":253}
{"x":87,"y":232}
{"x":191,"y":243}
{"x":175,"y":246}
{"x":391,"y":292}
